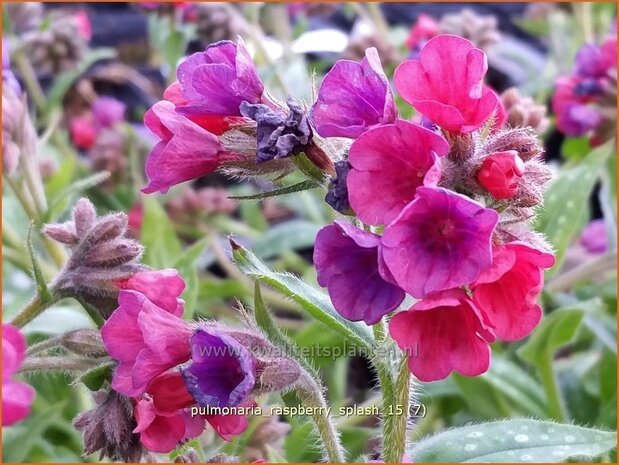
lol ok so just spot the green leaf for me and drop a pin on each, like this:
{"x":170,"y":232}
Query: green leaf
{"x":61,"y":179}
{"x":556,"y":330}
{"x":316,"y":303}
{"x":186,"y":266}
{"x":62,"y":200}
{"x":291,"y":235}
{"x":94,"y":378}
{"x":162,"y":246}
{"x":298,"y":187}
{"x":514,"y":441}
{"x":42,"y":290}
{"x":566,"y":201}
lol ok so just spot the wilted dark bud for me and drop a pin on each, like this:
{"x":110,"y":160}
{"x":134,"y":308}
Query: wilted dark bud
{"x":108,"y":428}
{"x":337,"y":196}
{"x":85,"y":342}
{"x":279,"y":135}
{"x":101,"y":254}
{"x":523,"y":140}
{"x":524,"y":111}
{"x":269,"y":434}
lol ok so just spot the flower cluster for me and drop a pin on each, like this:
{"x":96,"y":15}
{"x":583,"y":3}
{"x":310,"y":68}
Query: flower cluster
{"x":166,"y":365}
{"x":17,"y":396}
{"x":584,"y":101}
{"x":453,"y":199}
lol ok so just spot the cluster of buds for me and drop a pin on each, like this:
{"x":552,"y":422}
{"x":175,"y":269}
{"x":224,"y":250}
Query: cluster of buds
{"x":585,"y":101}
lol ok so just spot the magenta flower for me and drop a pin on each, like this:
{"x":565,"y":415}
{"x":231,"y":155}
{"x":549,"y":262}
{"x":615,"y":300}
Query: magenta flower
{"x":216,"y":81}
{"x":441,"y":240}
{"x":441,"y":334}
{"x":594,"y":237}
{"x":186,"y":150}
{"x":446,"y":84}
{"x":388,"y":164}
{"x":145,"y":339}
{"x":17,"y":396}
{"x":353,"y":97}
{"x":507,"y":291}
{"x":161,"y":287}
{"x":108,"y":111}
{"x":348,"y":264}
{"x":222,"y":372}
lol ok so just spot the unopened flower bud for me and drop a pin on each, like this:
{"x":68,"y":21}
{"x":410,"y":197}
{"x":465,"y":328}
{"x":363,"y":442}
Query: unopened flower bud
{"x":499,"y":174}
{"x":19,"y":137}
{"x":85,"y":342}
{"x":523,"y":140}
{"x":277,"y":374}
{"x":524,"y":111}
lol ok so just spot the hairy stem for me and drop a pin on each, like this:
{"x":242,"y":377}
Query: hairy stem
{"x":58,"y":364}
{"x":395,"y":442}
{"x":33,"y":309}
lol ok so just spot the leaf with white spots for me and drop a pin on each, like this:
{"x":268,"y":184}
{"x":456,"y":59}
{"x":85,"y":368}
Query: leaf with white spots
{"x":514,"y":441}
{"x":566,"y":202}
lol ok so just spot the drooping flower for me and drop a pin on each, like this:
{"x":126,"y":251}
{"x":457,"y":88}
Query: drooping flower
{"x":348,"y":264}
{"x":279,"y":135}
{"x":388,"y":164}
{"x":507,"y":291}
{"x":222,"y":372}
{"x":17,"y":396}
{"x":594,"y":237}
{"x":186,"y":150}
{"x":500,"y":173}
{"x":353,"y":97}
{"x":441,"y":240}
{"x":108,"y":111}
{"x":443,"y":333}
{"x":145,"y":339}
{"x":161,"y":287}
{"x":446,"y":84}
{"x":216,"y":81}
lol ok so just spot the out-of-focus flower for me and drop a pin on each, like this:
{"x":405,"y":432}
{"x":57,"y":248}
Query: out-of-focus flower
{"x":222,"y":372}
{"x":524,"y":111}
{"x":424,"y":28}
{"x":594,"y":237}
{"x":445,"y":332}
{"x":17,"y":396}
{"x":268,"y":435}
{"x":482,"y":31}
{"x":500,"y":173}
{"x":84,"y":26}
{"x":145,"y":339}
{"x":441,"y":240}
{"x":392,"y":160}
{"x":279,"y":135}
{"x":506,"y":292}
{"x":24,"y":16}
{"x":83,"y":132}
{"x":218,"y":80}
{"x":346,"y":256}
{"x":353,"y":97}
{"x":217,"y":21}
{"x":19,"y":137}
{"x":446,"y":84}
{"x":108,"y":111}
{"x":192,"y":205}
{"x":8,"y":77}
{"x":359,"y":43}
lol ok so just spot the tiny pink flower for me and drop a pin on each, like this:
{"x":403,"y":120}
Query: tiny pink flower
{"x":218,"y":80}
{"x":353,"y":97}
{"x":17,"y":396}
{"x":443,"y":333}
{"x":446,"y":84}
{"x":83,"y":132}
{"x":108,"y":111}
{"x":500,"y":173}
{"x":594,"y":237}
{"x":161,"y":287}
{"x":145,"y":339}
{"x":346,"y":256}
{"x":507,"y":291}
{"x":425,"y":28}
{"x":186,"y":150}
{"x":441,"y":240}
{"x":388,"y":164}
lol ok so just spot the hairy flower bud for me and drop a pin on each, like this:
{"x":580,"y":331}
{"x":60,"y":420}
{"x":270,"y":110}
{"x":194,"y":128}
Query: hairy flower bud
{"x":499,"y":174}
{"x":522,"y":140}
{"x":481,"y":30}
{"x":19,"y":137}
{"x":524,"y":111}
{"x":87,"y":342}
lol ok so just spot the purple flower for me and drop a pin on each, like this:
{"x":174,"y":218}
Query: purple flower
{"x":108,"y":111}
{"x":8,"y":77}
{"x":594,"y":237}
{"x":353,"y":97}
{"x":222,"y":372}
{"x":441,"y":240}
{"x":388,"y":164}
{"x":590,"y":62}
{"x":576,"y":119}
{"x":216,"y":81}
{"x":348,"y":264}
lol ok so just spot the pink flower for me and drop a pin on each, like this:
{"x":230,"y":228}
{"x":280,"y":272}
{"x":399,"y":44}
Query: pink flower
{"x":216,"y":81}
{"x":228,"y":426}
{"x":161,"y":287}
{"x":388,"y":164}
{"x":108,"y":111}
{"x":594,"y":237}
{"x":186,"y":151}
{"x":353,"y":97}
{"x":446,"y":84}
{"x":345,"y":257}
{"x":145,"y":339}
{"x":500,"y":173}
{"x":17,"y":396}
{"x":443,"y":333}
{"x":162,"y":431}
{"x":441,"y":240}
{"x":424,"y":29}
{"x":507,"y":291}
{"x":83,"y":132}
{"x":84,"y":26}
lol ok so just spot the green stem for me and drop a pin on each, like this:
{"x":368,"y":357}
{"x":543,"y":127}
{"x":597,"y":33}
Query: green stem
{"x":33,"y":309}
{"x":30,"y":79}
{"x":554,"y":398}
{"x":395,"y":443}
